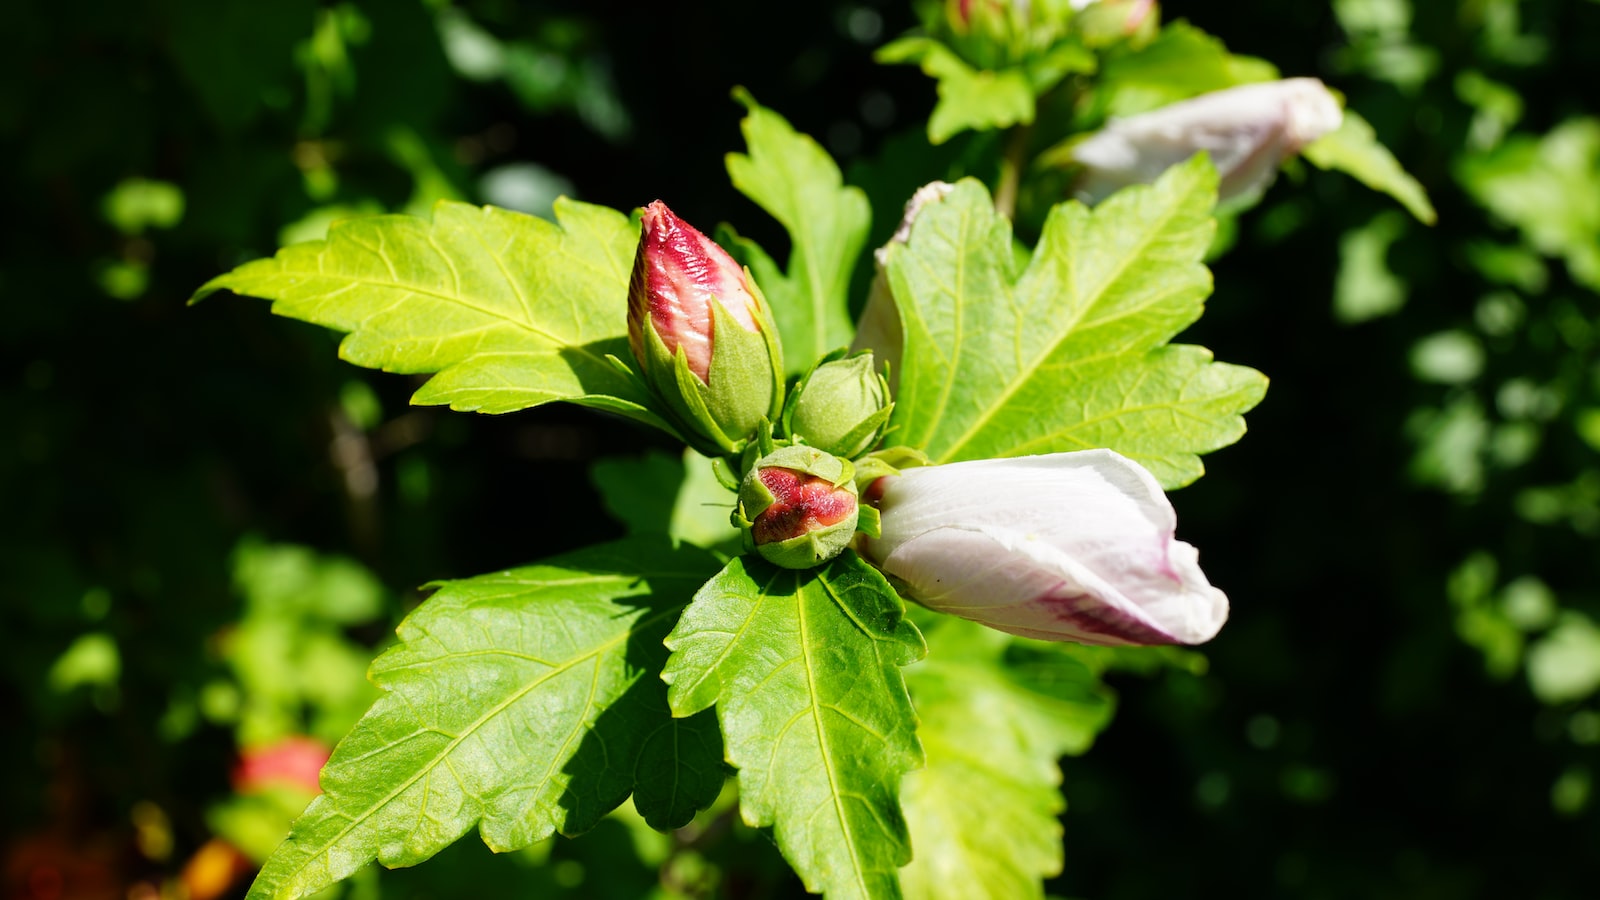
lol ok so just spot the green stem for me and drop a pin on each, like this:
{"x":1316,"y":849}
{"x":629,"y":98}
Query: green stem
{"x":1011,"y":165}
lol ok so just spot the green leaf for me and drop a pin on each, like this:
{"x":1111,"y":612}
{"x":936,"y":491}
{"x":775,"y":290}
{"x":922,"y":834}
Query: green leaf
{"x":791,"y":177}
{"x":803,"y":667}
{"x":524,"y":702}
{"x":996,"y":713}
{"x":1067,"y":354}
{"x":969,"y":98}
{"x":659,"y":494}
{"x":1354,"y":150}
{"x":512,"y":311}
{"x":1548,"y":187}
{"x":1182,"y":62}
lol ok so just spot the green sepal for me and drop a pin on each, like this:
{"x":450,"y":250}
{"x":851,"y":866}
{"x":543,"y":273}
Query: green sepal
{"x":745,"y":377}
{"x":868,"y":521}
{"x":840,"y":406}
{"x":888,"y":461}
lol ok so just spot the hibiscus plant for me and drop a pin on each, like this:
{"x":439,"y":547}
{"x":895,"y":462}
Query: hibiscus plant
{"x":878,"y":620}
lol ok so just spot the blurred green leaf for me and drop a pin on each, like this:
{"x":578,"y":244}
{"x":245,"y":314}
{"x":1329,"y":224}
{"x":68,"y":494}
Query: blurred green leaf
{"x":1182,"y":62}
{"x":1564,"y":665}
{"x":1366,"y":288}
{"x":791,"y":177}
{"x":510,"y":310}
{"x":657,"y":494}
{"x":996,"y":713}
{"x":137,"y":204}
{"x":1070,"y":353}
{"x":1547,"y":187}
{"x":804,"y":669}
{"x":1354,"y":150}
{"x":969,"y":98}
{"x":523,"y":702}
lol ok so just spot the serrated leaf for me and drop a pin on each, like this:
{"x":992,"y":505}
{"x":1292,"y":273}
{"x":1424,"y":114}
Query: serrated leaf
{"x":1354,"y":150}
{"x":996,"y":714}
{"x":510,"y":310}
{"x":791,"y":177}
{"x":1068,"y":353}
{"x":523,"y":702}
{"x":803,"y":667}
{"x":969,"y":98}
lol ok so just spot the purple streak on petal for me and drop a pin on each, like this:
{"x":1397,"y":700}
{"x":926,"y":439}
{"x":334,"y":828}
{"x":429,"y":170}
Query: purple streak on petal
{"x":1089,"y":615}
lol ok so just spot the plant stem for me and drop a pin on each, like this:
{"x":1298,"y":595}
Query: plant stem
{"x":1011,"y":164}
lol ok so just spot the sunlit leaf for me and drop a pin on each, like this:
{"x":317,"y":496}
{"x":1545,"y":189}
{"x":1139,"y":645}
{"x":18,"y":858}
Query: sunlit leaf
{"x":524,"y":702}
{"x":804,"y":670}
{"x":511,"y":311}
{"x":996,"y":713}
{"x":1354,"y":150}
{"x":791,"y":177}
{"x":1070,"y":353}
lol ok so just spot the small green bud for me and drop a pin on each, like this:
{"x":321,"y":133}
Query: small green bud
{"x":840,"y":407}
{"x":798,"y":507}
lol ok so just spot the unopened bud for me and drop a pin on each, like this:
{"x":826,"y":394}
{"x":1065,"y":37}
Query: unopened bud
{"x":1247,"y":131}
{"x":1110,"y":22}
{"x":702,"y":335}
{"x":798,"y":507}
{"x":840,"y":406}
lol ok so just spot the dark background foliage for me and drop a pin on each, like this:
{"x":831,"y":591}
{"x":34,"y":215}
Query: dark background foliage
{"x":1360,"y":731}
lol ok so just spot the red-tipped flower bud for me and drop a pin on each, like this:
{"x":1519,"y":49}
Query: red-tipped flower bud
{"x":702,"y":335}
{"x":797,"y":507}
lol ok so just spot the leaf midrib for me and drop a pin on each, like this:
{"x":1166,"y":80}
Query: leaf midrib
{"x":1027,"y":372}
{"x":443,"y":755}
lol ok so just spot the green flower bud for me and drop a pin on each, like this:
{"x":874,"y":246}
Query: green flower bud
{"x":840,"y":407}
{"x":702,"y":335}
{"x":798,"y":507}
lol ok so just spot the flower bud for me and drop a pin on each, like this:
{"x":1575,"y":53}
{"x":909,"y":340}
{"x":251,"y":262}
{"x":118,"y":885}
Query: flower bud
{"x":1110,"y":22}
{"x":840,"y":406}
{"x":1063,"y":547}
{"x":1248,"y":132}
{"x":797,"y":506}
{"x":702,"y":335}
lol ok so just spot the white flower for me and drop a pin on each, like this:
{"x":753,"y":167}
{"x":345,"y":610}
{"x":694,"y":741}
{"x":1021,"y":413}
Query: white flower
{"x":1248,"y":131}
{"x":1063,"y":547}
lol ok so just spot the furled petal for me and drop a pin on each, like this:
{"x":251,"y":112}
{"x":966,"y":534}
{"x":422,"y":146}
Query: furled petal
{"x":1068,"y":546}
{"x":1247,"y":131}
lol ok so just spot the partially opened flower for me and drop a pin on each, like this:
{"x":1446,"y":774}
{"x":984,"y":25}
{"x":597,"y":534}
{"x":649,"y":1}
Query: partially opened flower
{"x":1248,"y":132}
{"x":1067,"y":546}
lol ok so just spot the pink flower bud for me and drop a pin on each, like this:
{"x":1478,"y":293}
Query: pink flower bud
{"x":1248,"y":132}
{"x":702,"y":335}
{"x":797,"y":506}
{"x":676,"y":273}
{"x":1063,"y":547}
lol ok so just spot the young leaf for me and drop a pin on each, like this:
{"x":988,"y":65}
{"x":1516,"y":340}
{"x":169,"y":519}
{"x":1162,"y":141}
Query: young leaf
{"x":1354,"y":150}
{"x":524,"y":702}
{"x":510,"y":310}
{"x":803,"y":667}
{"x":791,"y":177}
{"x":969,"y":98}
{"x":1069,"y":353}
{"x":1182,"y":62}
{"x":996,"y":713}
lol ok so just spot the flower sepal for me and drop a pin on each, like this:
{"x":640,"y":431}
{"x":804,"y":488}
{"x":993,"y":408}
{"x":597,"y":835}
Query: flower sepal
{"x":841,"y":406}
